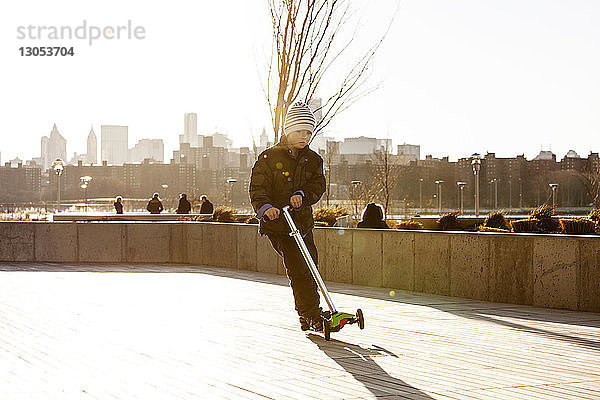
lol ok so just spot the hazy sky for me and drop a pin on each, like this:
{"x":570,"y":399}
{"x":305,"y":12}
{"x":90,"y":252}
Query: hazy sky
{"x":457,"y":76}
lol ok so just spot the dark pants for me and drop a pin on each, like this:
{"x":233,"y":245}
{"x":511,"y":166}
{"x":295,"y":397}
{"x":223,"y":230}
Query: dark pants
{"x":303,"y":285}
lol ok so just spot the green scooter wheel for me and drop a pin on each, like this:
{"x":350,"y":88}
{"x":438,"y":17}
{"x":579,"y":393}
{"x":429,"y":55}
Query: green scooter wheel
{"x":326,"y":329}
{"x":360,"y":318}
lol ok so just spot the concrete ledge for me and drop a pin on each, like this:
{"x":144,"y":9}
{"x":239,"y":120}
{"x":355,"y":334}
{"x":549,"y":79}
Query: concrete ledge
{"x":17,"y":241}
{"x":101,"y":242}
{"x":148,"y":242}
{"x":56,"y":242}
{"x":559,"y":271}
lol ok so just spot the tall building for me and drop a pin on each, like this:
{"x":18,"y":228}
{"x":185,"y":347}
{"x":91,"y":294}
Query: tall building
{"x":316,"y":105}
{"x":147,"y":148}
{"x":53,"y":147}
{"x":264,"y":139}
{"x":412,"y":151}
{"x":190,"y":129}
{"x":221,"y":140}
{"x":359,"y":145}
{"x":92,"y":148}
{"x":114,"y":144}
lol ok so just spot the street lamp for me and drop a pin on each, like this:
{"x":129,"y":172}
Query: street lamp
{"x":520,"y":192}
{"x":354,"y":188}
{"x":439,"y":190}
{"x":58,"y":166}
{"x":420,"y":195}
{"x":165,"y":187}
{"x":476,"y":164}
{"x":85,"y":181}
{"x":495,"y":182}
{"x":461,"y":185}
{"x":554,"y":187}
{"x":231,"y":182}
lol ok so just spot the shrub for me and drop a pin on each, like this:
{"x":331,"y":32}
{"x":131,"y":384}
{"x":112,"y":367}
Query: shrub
{"x":449,"y":221}
{"x":542,"y":212}
{"x":410,"y":225}
{"x":497,"y":220}
{"x":545,"y":222}
{"x":483,"y":228}
{"x":223,"y":214}
{"x":595,"y":215}
{"x":328,"y":215}
{"x":579,"y":226}
{"x":525,"y":225}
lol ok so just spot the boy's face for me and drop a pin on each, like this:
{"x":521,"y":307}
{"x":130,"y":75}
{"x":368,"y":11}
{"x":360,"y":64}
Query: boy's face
{"x":299,"y":139}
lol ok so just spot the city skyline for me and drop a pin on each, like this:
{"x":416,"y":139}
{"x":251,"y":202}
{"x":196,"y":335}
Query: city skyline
{"x":148,"y":145}
{"x":457,"y":78}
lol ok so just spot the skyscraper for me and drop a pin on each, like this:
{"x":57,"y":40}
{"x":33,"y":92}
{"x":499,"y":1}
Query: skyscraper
{"x":92,"y":148}
{"x":114,"y":144}
{"x":147,"y":148}
{"x":190,"y":129}
{"x":53,"y":147}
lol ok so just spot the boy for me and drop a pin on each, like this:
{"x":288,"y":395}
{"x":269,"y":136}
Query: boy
{"x":291,"y":173}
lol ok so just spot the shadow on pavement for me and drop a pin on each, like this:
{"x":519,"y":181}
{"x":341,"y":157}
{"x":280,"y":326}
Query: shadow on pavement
{"x":466,"y":308}
{"x":360,"y":363}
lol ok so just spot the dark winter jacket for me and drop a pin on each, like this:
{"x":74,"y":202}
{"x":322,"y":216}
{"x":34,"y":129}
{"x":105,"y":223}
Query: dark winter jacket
{"x":206,"y":208}
{"x":118,"y":207}
{"x":154,"y":206}
{"x":373,"y":217}
{"x":373,"y":224}
{"x":276,"y":176}
{"x":184,"y":206}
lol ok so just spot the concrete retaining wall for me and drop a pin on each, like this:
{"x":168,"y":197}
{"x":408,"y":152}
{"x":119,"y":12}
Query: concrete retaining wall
{"x":556,"y":271}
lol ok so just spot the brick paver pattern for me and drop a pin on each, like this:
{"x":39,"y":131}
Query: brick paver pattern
{"x":181,"y":332}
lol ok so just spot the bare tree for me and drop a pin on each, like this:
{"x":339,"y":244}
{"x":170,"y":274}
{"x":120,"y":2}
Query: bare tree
{"x":385,"y":173}
{"x":591,"y":179}
{"x":307,"y":40}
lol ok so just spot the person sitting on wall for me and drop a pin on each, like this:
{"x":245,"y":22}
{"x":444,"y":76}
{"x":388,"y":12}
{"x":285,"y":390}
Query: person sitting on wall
{"x":155,"y":206}
{"x":184,"y":206}
{"x":119,"y":205}
{"x":207,"y":206}
{"x":372,"y":217}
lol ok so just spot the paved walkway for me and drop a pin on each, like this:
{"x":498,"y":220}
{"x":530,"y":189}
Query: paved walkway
{"x":172,"y":332}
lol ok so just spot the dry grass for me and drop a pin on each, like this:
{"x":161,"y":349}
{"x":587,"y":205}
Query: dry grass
{"x":328,"y":215}
{"x":497,"y":220}
{"x":410,"y":225}
{"x":579,"y":226}
{"x":449,"y":221}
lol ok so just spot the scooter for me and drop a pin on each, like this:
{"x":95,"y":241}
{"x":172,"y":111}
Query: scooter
{"x":333,"y":320}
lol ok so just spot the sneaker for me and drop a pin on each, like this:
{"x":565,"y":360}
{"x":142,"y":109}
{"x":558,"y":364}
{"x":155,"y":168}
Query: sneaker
{"x":311,"y":322}
{"x":304,"y":325}
{"x":316,"y":324}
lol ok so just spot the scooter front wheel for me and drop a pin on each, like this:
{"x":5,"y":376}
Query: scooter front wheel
{"x":326,"y":329}
{"x":360,"y":318}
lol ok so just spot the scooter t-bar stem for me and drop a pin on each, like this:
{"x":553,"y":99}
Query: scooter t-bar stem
{"x":295,"y":233}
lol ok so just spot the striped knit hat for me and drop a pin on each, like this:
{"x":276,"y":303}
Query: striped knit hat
{"x":299,"y":117}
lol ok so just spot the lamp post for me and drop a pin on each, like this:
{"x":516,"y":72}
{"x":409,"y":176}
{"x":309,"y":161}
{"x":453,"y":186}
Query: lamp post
{"x":461,"y":186}
{"x":554,"y":187}
{"x":439,"y":191}
{"x":354,"y":197}
{"x":495,"y":182}
{"x":520,"y":192}
{"x":85,"y":181}
{"x":231,"y":182}
{"x":58,"y":166}
{"x":421,"y":195}
{"x":164,"y":186}
{"x":476,"y":164}
{"x":509,"y":192}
